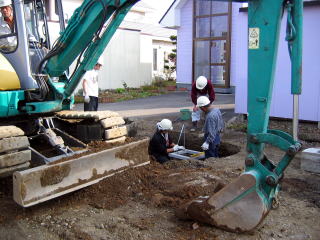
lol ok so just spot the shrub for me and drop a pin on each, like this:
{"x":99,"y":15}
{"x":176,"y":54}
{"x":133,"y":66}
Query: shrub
{"x":120,"y":90}
{"x":148,"y":88}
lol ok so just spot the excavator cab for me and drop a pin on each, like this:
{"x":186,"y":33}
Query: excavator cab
{"x":37,"y":33}
{"x":24,"y":43}
{"x":26,"y":40}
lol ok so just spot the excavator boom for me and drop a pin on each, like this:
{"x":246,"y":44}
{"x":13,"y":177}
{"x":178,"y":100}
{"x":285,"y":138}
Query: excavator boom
{"x":88,"y":32}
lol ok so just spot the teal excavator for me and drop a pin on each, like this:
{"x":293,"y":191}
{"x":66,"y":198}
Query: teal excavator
{"x":36,"y":83}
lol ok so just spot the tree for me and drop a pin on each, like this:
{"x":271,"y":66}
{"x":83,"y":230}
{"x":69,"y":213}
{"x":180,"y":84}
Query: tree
{"x":170,"y":63}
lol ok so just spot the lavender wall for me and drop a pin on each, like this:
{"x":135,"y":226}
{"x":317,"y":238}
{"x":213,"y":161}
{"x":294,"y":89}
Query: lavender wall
{"x":282,"y":100}
{"x":184,"y":45}
{"x":234,"y":43}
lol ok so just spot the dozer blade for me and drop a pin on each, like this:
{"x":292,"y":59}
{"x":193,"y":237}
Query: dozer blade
{"x":42,"y":183}
{"x":238,"y":207}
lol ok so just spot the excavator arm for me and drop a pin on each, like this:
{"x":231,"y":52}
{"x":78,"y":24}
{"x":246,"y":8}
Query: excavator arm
{"x":88,"y":32}
{"x":243,"y":204}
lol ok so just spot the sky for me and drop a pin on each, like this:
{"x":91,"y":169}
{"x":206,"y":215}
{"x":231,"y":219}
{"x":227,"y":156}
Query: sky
{"x":160,"y":5}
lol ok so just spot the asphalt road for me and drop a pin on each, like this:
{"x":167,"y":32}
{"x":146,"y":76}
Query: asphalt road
{"x":166,"y":104}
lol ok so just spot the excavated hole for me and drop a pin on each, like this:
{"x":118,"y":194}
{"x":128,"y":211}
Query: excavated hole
{"x":193,"y":141}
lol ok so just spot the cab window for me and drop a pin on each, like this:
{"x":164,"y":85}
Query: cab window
{"x":8,"y":35}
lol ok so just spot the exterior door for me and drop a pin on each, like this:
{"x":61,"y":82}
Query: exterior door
{"x":211,"y":41}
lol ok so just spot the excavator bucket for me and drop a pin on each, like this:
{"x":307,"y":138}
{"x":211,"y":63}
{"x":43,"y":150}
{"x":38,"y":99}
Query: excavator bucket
{"x":42,"y":183}
{"x":238,"y":207}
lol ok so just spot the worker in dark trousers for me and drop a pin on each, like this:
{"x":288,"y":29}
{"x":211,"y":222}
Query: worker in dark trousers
{"x":201,"y":87}
{"x":213,"y":126}
{"x":161,"y":143}
{"x":91,"y":87}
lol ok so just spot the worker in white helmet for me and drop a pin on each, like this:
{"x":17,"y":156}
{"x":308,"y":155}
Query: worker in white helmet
{"x":201,"y":87}
{"x":90,"y":87}
{"x":161,"y":143}
{"x":213,"y":126}
{"x":7,"y":26}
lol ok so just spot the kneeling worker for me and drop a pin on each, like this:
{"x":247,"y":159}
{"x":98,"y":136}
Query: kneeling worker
{"x":161,"y":143}
{"x":213,"y":126}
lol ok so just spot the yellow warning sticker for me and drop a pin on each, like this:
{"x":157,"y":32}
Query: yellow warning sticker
{"x":254,"y":38}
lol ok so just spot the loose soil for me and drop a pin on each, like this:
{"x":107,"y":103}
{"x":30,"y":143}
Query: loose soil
{"x":140,"y":203}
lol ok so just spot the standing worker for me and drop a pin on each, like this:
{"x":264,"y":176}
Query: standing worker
{"x":91,"y":88}
{"x":161,"y":143}
{"x":201,"y":87}
{"x":213,"y":126}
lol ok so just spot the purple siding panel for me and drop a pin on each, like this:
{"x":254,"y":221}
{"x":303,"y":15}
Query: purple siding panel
{"x":282,"y":100}
{"x":184,"y":44}
{"x":239,"y":62}
{"x":234,"y":42}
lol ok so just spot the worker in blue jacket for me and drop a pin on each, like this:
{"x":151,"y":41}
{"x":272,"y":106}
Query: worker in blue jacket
{"x":213,"y":126}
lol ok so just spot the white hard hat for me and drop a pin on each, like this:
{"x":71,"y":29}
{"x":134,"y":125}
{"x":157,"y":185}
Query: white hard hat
{"x":4,"y":3}
{"x":201,"y":82}
{"x":203,"y":101}
{"x":165,"y":124}
{"x":100,"y":60}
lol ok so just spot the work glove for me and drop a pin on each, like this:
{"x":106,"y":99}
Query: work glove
{"x":205,"y":146}
{"x":181,"y":148}
{"x":86,"y":99}
{"x":175,"y":148}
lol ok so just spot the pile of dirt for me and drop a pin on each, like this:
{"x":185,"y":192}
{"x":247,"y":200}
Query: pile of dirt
{"x":137,"y":154}
{"x":168,"y":185}
{"x":97,"y":146}
{"x":307,"y":188}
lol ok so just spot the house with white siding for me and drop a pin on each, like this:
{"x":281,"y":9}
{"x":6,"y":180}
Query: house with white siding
{"x":212,"y":41}
{"x":137,"y":51}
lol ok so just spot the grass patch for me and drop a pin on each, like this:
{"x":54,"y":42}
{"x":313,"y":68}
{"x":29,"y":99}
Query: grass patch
{"x":157,"y":87}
